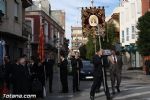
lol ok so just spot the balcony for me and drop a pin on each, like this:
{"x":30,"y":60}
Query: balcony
{"x":26,"y":3}
{"x":26,"y":30}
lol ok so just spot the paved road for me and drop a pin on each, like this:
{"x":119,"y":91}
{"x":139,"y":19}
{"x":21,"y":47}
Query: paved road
{"x":135,"y":86}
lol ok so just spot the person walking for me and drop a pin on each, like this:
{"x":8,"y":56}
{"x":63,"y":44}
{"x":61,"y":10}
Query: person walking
{"x":63,"y":73}
{"x":99,"y":76}
{"x":49,"y":63}
{"x":115,"y":61}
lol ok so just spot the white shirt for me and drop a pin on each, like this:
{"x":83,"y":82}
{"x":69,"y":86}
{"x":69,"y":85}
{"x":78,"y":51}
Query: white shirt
{"x":114,"y":58}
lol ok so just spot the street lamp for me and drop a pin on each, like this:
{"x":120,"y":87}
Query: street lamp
{"x":58,"y":36}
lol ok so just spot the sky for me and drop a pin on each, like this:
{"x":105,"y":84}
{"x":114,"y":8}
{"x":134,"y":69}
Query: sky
{"x":72,"y":9}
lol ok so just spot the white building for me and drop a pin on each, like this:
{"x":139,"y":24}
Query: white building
{"x":77,"y":38}
{"x":43,"y":5}
{"x":130,"y":11}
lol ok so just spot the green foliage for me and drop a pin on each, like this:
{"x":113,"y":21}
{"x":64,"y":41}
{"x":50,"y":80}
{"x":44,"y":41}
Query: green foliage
{"x":83,"y":51}
{"x":90,"y":47}
{"x":143,"y":43}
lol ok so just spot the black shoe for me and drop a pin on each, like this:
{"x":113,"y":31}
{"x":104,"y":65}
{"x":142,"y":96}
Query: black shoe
{"x":78,"y":90}
{"x":113,"y":93}
{"x":50,"y":92}
{"x":109,"y":98}
{"x":92,"y":97}
{"x":74,"y":91}
{"x":118,"y":90}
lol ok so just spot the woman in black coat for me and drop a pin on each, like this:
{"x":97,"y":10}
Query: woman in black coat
{"x":37,"y":77}
{"x":64,"y":74}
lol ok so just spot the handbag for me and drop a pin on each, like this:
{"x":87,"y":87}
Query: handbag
{"x":36,"y":85}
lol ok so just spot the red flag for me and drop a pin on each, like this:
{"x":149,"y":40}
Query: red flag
{"x":41,"y":44}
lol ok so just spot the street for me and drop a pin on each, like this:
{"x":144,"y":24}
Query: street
{"x":134,"y":86}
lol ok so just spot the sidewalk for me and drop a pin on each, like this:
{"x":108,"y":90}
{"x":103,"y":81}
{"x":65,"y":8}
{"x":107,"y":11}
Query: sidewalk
{"x":136,"y":75}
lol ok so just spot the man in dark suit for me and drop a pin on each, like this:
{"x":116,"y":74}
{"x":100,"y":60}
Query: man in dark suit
{"x":76,"y":64}
{"x":63,"y":73}
{"x":20,"y":77}
{"x":49,"y":63}
{"x":99,"y":76}
{"x":115,"y":61}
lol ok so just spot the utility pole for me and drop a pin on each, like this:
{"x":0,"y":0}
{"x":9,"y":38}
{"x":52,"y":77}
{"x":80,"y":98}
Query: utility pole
{"x":92,"y":3}
{"x":58,"y":47}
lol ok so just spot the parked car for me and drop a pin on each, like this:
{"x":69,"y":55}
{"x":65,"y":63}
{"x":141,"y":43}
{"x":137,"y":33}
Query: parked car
{"x":87,"y":70}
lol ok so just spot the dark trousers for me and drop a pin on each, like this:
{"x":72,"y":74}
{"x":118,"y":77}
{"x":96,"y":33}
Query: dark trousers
{"x":115,"y":77}
{"x":98,"y":79}
{"x":75,"y":81}
{"x":64,"y":82}
{"x":50,"y":80}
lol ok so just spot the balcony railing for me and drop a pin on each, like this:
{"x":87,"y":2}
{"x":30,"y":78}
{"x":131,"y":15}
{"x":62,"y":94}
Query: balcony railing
{"x":26,"y":30}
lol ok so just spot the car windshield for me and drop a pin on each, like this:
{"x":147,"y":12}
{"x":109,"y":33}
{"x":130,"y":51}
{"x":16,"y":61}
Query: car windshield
{"x":87,"y":65}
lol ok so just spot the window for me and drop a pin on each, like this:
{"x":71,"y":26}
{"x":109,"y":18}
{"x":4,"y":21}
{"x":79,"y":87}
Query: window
{"x":122,"y":36}
{"x":127,"y":31}
{"x":133,"y":29}
{"x":3,"y":6}
{"x":16,"y":10}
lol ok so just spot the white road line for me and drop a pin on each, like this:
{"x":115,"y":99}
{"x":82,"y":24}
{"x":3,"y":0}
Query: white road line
{"x":132,"y":95}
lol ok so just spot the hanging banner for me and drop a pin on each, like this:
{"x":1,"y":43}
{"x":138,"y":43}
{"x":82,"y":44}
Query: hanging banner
{"x":91,"y":18}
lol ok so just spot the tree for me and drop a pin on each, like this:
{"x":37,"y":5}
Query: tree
{"x":83,"y":51}
{"x":143,"y":42}
{"x":109,"y":39}
{"x":90,"y":47}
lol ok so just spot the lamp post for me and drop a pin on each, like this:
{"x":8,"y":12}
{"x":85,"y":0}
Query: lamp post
{"x":58,"y":36}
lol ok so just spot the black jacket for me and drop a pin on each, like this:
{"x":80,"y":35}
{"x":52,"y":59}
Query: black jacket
{"x":63,"y":67}
{"x":74,"y":63}
{"x":97,"y":61}
{"x":49,"y":63}
{"x":20,"y":79}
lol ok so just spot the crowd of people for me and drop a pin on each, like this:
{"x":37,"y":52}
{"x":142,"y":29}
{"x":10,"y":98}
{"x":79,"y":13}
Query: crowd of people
{"x":22,"y":76}
{"x":30,"y":76}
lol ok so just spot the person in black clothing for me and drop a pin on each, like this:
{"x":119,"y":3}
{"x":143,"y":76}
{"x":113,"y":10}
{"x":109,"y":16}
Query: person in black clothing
{"x":63,"y":73}
{"x":20,"y":77}
{"x":7,"y":70}
{"x":49,"y":63}
{"x":76,"y":64}
{"x":98,"y":76}
{"x":37,"y":73}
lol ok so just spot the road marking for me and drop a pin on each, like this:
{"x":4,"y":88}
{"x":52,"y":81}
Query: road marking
{"x":132,"y":95}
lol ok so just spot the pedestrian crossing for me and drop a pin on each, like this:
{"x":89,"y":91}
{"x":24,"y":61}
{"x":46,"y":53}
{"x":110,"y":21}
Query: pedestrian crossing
{"x":134,"y":90}
{"x":130,"y":90}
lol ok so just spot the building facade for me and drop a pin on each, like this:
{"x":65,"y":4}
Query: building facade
{"x":131,"y":10}
{"x":77,"y":38}
{"x":59,"y":17}
{"x":52,"y":30}
{"x":13,"y":29}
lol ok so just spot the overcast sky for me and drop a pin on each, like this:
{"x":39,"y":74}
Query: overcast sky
{"x":72,"y":9}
